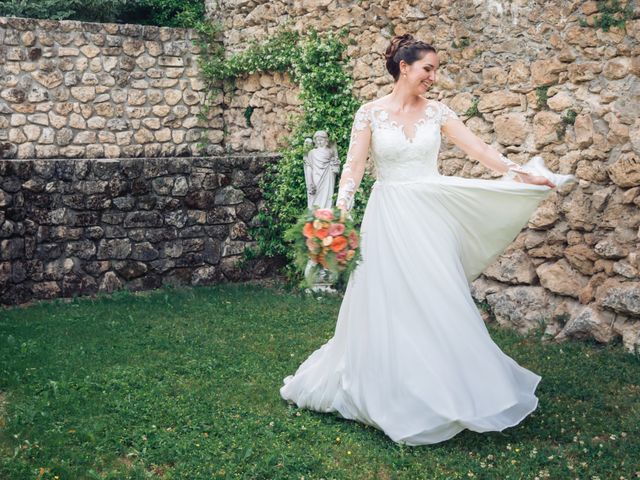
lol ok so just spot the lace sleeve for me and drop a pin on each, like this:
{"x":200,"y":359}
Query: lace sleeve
{"x":447,"y":114}
{"x":457,"y":132}
{"x":354,"y":165}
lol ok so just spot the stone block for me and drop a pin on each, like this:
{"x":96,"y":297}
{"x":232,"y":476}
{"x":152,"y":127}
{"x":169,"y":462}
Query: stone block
{"x":114,"y":249}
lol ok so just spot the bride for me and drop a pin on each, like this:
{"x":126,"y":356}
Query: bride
{"x":411,"y":355}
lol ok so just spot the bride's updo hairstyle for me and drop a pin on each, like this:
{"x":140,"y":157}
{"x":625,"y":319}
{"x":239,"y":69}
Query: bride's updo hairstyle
{"x":404,"y":47}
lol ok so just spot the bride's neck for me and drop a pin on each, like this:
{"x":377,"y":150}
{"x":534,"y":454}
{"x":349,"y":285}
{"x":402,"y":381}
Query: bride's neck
{"x":403,"y":100}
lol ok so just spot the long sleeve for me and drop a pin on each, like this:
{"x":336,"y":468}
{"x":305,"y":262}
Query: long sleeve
{"x":354,"y":166}
{"x":461,"y":136}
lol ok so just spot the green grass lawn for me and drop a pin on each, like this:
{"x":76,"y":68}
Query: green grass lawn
{"x":184,"y":384}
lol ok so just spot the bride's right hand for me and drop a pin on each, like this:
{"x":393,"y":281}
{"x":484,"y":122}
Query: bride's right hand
{"x":535,"y":179}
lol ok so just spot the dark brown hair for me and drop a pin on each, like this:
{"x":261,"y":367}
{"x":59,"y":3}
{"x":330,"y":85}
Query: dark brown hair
{"x":404,"y":47}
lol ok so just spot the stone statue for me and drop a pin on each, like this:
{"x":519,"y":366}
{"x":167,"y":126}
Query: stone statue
{"x":321,"y":164}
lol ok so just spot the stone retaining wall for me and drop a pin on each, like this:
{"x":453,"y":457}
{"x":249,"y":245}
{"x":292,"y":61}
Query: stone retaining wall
{"x":87,"y":90}
{"x":70,"y":227}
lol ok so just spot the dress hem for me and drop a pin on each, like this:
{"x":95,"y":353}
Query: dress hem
{"x":458,"y":424}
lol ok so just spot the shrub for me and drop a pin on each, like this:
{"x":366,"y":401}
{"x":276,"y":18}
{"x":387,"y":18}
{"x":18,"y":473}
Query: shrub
{"x":167,"y":13}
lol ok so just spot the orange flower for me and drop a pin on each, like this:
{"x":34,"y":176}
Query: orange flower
{"x":322,"y":261}
{"x":323,"y":232}
{"x":339,"y":243}
{"x":350,"y":254}
{"x":307,"y":231}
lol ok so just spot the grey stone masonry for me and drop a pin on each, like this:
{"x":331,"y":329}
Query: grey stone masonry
{"x":87,"y":90}
{"x":75,"y":227}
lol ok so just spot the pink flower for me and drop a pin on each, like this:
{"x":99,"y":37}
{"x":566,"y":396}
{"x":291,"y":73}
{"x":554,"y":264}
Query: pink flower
{"x":312,"y":245}
{"x":341,"y":255}
{"x":336,"y":229}
{"x":324,"y":214}
{"x":353,"y":239}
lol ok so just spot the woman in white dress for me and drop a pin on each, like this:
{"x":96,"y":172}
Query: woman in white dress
{"x":411,"y":355}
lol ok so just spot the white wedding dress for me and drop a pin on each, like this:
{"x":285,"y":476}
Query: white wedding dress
{"x":411,"y":354}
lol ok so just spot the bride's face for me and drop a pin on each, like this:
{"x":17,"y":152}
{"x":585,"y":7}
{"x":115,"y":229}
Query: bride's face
{"x":421,"y":74}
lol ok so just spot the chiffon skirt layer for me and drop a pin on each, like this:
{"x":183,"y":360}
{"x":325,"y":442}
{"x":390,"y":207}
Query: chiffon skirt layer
{"x":411,"y":355}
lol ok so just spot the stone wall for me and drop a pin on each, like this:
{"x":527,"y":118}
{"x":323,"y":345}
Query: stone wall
{"x":528,"y":64}
{"x":77,"y":90}
{"x":87,"y":90}
{"x":72,"y":227}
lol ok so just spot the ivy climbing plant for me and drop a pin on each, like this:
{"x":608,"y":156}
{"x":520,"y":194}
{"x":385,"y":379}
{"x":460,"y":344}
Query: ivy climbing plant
{"x":316,"y":63}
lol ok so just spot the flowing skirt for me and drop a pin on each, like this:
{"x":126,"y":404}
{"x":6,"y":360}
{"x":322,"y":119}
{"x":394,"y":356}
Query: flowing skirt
{"x":411,"y":354}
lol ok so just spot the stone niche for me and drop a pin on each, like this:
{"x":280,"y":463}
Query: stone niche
{"x":75,"y":227}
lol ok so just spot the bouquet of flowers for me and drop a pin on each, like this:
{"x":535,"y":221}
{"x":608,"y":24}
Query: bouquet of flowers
{"x":327,"y":240}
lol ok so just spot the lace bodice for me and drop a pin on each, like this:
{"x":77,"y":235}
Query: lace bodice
{"x":406,"y":152}
{"x":400,"y":152}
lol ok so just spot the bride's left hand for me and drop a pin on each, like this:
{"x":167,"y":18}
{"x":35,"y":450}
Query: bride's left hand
{"x":535,"y":180}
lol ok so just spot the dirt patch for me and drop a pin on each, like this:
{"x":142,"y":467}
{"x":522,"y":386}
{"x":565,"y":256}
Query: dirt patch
{"x":383,"y":474}
{"x":126,"y":461}
{"x":266,"y":282}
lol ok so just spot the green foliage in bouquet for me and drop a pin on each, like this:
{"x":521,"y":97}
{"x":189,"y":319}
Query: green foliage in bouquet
{"x":316,"y":63}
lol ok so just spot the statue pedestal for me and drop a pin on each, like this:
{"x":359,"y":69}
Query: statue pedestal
{"x":321,"y":280}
